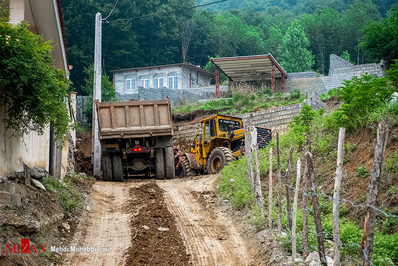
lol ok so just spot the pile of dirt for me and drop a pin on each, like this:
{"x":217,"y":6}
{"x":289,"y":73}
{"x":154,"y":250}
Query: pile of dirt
{"x":193,"y":117}
{"x":333,"y":103}
{"x":155,"y":237}
{"x":83,"y":153}
{"x":42,"y":219}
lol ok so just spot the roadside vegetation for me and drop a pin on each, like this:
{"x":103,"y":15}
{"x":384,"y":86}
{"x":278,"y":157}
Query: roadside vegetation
{"x":367,"y":100}
{"x":70,"y":190}
{"x":244,"y":98}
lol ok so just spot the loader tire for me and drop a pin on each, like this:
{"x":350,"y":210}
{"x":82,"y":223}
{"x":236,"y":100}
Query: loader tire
{"x":159,"y":163}
{"x":186,"y":169}
{"x":169,"y":163}
{"x":106,"y":166}
{"x":117,"y":166}
{"x":219,"y":157}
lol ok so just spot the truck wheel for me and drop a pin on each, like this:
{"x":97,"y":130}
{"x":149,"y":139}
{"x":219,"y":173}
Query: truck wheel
{"x":219,"y":157}
{"x":187,"y":171}
{"x":169,"y":163}
{"x":117,"y":166}
{"x":159,"y":163}
{"x":106,"y":166}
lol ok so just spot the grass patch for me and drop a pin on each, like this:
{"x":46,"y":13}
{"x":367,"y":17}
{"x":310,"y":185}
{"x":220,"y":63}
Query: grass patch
{"x":244,"y":99}
{"x":68,"y":194}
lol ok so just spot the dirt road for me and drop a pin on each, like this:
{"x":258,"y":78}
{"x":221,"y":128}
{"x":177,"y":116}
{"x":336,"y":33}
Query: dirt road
{"x":106,"y":226}
{"x":210,"y":237}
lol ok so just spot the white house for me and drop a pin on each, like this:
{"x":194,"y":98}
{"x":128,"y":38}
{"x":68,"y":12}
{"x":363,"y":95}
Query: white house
{"x":173,"y":76}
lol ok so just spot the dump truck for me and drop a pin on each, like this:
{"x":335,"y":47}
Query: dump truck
{"x":222,"y":143}
{"x":136,"y":139}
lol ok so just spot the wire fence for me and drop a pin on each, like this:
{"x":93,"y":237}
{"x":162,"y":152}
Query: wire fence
{"x":318,"y":194}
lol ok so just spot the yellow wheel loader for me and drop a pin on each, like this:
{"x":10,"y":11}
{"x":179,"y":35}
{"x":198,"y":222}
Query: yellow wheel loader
{"x":217,"y":143}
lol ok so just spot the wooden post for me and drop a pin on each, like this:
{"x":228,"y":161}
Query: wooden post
{"x":279,"y":184}
{"x":248,"y":153}
{"x":229,"y":85}
{"x":373,"y":189}
{"x":270,"y":188}
{"x":259,"y":194}
{"x":336,"y":197}
{"x":305,"y":212}
{"x":273,"y":78}
{"x":287,"y":184}
{"x":295,"y":209}
{"x":317,"y":213}
{"x":217,"y":82}
{"x":283,"y":83}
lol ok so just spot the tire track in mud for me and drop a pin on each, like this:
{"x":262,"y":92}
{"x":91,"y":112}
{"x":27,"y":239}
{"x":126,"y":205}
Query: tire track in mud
{"x":210,"y":239}
{"x":107,"y":226}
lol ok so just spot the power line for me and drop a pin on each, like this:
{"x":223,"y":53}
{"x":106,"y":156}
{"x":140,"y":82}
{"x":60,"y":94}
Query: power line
{"x":117,"y":1}
{"x":171,"y":11}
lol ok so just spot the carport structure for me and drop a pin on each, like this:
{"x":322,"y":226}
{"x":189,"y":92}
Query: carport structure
{"x":252,"y":68}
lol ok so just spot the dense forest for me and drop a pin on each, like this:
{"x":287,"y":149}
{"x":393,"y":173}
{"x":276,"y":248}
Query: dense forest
{"x":230,"y":28}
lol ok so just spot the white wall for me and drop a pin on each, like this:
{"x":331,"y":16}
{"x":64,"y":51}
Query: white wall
{"x":33,"y":149}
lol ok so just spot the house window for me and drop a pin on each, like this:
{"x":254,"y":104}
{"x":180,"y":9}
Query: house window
{"x":144,"y":82}
{"x":158,"y":81}
{"x":130,"y":83}
{"x":173,"y":81}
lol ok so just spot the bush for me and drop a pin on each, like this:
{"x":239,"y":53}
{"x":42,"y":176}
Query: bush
{"x":68,"y":195}
{"x":362,"y":172}
{"x":256,"y":218}
{"x":385,"y":247}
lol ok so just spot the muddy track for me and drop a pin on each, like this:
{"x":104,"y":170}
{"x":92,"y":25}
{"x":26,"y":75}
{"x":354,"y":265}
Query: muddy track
{"x":209,"y":238}
{"x":106,"y":226}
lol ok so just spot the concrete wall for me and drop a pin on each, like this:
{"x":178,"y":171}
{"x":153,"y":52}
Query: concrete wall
{"x":183,"y":73}
{"x":340,"y":70}
{"x":271,"y":118}
{"x":33,"y":149}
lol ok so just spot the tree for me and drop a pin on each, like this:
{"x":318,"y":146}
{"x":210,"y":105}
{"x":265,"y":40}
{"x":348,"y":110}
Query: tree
{"x":32,"y":90}
{"x":346,"y":57}
{"x":381,"y":38}
{"x":188,"y":30}
{"x":274,"y":41}
{"x":108,"y":93}
{"x":293,"y":53}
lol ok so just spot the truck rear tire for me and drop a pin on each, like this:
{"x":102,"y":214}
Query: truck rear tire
{"x":106,"y":166}
{"x":169,"y":163}
{"x":159,"y":163}
{"x":219,"y":157}
{"x":187,"y":171}
{"x":117,"y":166}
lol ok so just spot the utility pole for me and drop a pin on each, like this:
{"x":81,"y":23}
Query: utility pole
{"x":96,"y":146}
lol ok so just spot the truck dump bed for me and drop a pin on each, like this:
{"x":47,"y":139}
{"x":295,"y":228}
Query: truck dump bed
{"x":134,"y":119}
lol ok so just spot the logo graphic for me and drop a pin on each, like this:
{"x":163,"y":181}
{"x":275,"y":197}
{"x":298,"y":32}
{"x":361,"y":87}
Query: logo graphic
{"x":25,"y":247}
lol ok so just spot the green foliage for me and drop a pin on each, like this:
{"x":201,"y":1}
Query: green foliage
{"x":392,"y":74}
{"x":293,"y":53}
{"x":210,"y":67}
{"x":346,"y":56}
{"x":244,"y":102}
{"x":391,"y":163}
{"x":108,"y":93}
{"x":34,"y":92}
{"x":381,"y":38}
{"x":234,"y":185}
{"x":256,"y":218}
{"x":362,"y":172}
{"x":392,"y":190}
{"x":69,"y":196}
{"x":331,"y":93}
{"x":360,"y":96}
{"x":385,"y":246}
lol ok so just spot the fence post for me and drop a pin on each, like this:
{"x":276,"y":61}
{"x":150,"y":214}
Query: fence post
{"x":336,"y":197}
{"x":317,"y":214}
{"x":279,"y":184}
{"x":259,"y":194}
{"x":373,"y":188}
{"x":248,"y":153}
{"x":287,"y":184}
{"x":270,"y":188}
{"x":305,"y":212}
{"x":295,"y":209}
